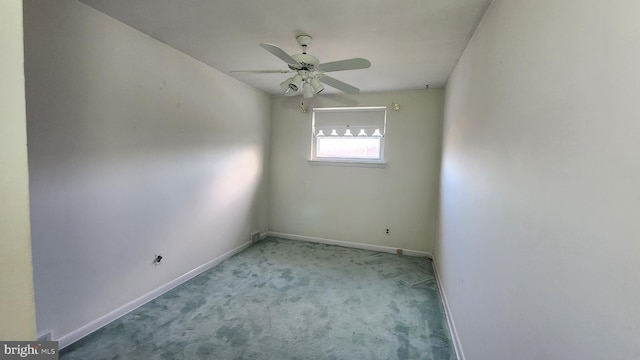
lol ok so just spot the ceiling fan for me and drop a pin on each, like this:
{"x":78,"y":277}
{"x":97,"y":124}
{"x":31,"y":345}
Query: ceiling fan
{"x":309,"y":73}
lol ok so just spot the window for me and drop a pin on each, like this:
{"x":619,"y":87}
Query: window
{"x":348,"y":134}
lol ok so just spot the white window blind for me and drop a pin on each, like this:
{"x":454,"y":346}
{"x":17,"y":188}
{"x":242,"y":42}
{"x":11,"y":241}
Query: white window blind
{"x":363,"y":121}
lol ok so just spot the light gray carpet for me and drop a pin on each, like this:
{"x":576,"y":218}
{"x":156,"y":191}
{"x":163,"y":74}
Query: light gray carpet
{"x":285,"y":299}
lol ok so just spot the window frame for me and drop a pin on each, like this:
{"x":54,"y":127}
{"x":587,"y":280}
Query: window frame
{"x":349,"y":161}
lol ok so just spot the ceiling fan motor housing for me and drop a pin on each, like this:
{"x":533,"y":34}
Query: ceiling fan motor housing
{"x":307,"y":62}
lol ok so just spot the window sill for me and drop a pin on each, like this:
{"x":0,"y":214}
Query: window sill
{"x":348,"y":163}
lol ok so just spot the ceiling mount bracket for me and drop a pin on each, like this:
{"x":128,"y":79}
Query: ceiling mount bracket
{"x":304,"y":41}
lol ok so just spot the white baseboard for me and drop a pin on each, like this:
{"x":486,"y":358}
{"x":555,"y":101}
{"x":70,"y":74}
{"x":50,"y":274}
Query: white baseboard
{"x":350,"y":244}
{"x":447,"y":311}
{"x":78,"y":334}
{"x":45,"y":336}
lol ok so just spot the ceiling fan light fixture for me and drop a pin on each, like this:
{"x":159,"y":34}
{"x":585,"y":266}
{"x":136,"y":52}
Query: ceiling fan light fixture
{"x":285,"y":85}
{"x":317,"y":86}
{"x":308,"y":90}
{"x":294,"y":84}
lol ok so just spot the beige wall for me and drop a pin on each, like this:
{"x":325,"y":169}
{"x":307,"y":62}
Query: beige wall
{"x":17,"y":311}
{"x":135,"y":149}
{"x":539,"y":243}
{"x":357,"y":204}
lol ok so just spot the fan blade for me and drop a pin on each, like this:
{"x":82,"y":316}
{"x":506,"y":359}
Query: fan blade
{"x":349,"y":64}
{"x":280,"y":53}
{"x":339,"y":85}
{"x":260,"y":71}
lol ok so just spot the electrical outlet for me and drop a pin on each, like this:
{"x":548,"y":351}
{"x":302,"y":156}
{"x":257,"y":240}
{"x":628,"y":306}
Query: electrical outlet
{"x":387,"y":232}
{"x":157,"y":259}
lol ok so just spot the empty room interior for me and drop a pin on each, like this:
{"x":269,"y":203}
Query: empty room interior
{"x":179,"y":179}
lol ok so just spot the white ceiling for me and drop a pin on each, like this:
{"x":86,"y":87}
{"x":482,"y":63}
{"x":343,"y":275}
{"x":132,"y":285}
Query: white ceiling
{"x":410,"y":43}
